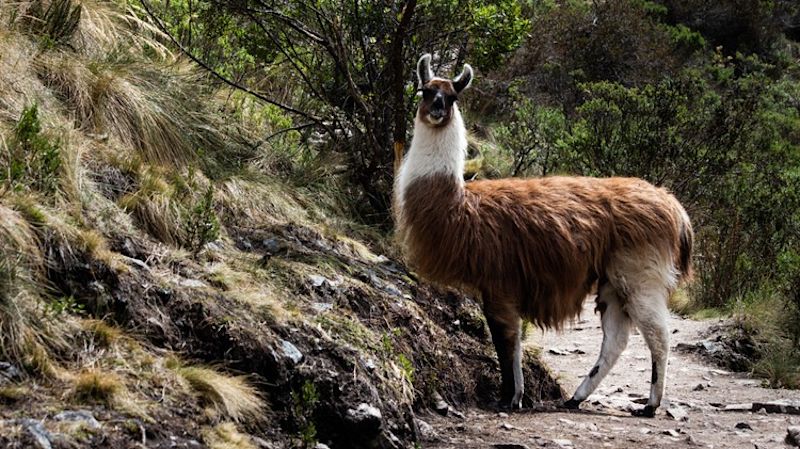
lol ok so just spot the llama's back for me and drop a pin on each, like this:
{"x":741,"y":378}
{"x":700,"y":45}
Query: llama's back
{"x":565,"y":233}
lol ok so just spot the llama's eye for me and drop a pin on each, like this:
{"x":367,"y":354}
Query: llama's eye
{"x":428,"y":93}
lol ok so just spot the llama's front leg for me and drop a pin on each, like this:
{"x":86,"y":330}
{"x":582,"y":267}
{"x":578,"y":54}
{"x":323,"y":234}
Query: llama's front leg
{"x":504,"y":324}
{"x":616,"y":329}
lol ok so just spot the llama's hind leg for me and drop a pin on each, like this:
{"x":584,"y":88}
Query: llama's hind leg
{"x":504,"y":324}
{"x":649,"y":312}
{"x":616,"y":329}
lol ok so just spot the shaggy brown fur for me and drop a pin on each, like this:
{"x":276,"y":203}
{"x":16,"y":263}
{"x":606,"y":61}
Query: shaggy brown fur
{"x":538,"y":243}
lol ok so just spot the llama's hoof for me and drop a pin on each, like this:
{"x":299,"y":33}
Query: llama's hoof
{"x":572,"y":404}
{"x":647,"y":412}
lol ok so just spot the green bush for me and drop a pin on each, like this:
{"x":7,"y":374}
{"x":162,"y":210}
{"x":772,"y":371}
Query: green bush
{"x":202,"y":225}
{"x":32,"y":161}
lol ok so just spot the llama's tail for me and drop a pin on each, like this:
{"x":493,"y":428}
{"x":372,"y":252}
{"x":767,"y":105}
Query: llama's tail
{"x":686,"y":242}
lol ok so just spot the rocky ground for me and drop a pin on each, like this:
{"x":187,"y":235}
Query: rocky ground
{"x":706,"y":406}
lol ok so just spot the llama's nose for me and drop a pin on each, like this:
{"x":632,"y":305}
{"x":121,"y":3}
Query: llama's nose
{"x":438,"y":101}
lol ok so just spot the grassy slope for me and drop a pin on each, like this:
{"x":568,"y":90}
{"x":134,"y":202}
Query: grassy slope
{"x":157,"y":278}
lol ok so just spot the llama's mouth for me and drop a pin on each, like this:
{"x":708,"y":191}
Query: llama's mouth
{"x":435,"y":118}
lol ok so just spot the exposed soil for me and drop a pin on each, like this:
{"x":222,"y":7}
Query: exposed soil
{"x":695,"y":387}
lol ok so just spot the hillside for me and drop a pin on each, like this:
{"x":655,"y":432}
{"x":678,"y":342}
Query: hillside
{"x":162,"y":286}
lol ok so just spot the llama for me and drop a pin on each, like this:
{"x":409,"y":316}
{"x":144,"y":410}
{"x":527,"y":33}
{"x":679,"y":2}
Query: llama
{"x":535,"y":248}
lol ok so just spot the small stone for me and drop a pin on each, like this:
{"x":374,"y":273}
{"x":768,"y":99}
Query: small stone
{"x":321,"y":307}
{"x":672,"y":433}
{"x":192,"y":283}
{"x":426,"y":431}
{"x":9,"y":372}
{"x":291,"y":352}
{"x":507,"y":426}
{"x":745,"y":407}
{"x":762,"y":411}
{"x":81,"y":416}
{"x":38,"y":432}
{"x":364,"y":412}
{"x":439,"y":404}
{"x":743,"y":426}
{"x":786,"y":407}
{"x":322,"y":446}
{"x":699,"y":387}
{"x":793,"y":436}
{"x":563,"y":443}
{"x":503,"y":415}
{"x":317,"y":280}
{"x":678,"y":413}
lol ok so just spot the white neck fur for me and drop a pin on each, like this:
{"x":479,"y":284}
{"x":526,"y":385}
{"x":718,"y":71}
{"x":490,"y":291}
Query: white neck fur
{"x":434,"y":151}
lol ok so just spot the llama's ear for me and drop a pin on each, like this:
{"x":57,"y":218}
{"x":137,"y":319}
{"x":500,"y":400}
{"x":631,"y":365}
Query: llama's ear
{"x":424,"y":72}
{"x":463,"y":80}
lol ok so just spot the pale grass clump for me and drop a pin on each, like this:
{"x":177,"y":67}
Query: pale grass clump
{"x":21,"y":335}
{"x":244,"y":201}
{"x":101,"y":333}
{"x":226,"y":436}
{"x":229,"y":396}
{"x":105,"y":26}
{"x":93,"y":386}
{"x":154,"y":208}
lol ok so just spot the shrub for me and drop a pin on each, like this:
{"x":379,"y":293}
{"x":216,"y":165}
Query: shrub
{"x":202,"y":225}
{"x":31,"y":161}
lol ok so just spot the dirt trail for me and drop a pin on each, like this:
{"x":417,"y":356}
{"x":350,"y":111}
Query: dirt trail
{"x":694,"y":387}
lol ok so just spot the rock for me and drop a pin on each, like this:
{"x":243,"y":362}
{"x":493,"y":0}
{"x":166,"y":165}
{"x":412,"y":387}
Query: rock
{"x":678,"y":413}
{"x":317,"y":280}
{"x":321,"y":446}
{"x":563,"y":443}
{"x":762,"y":411}
{"x":785,"y":406}
{"x":743,"y":426}
{"x":133,"y":261}
{"x":392,"y":290}
{"x":746,"y":407}
{"x":9,"y":372}
{"x":503,"y":415}
{"x":507,"y":426}
{"x":365,"y":413}
{"x":192,"y":283}
{"x":699,"y":387}
{"x":672,"y":433}
{"x":426,"y":431}
{"x":81,"y":416}
{"x":439,"y":404}
{"x":291,"y":352}
{"x":793,"y":436}
{"x":40,"y":435}
{"x":321,"y":307}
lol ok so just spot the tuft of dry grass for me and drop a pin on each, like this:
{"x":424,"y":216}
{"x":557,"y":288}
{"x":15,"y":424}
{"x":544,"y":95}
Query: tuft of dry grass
{"x":230,"y":396}
{"x":102,"y":334}
{"x":226,"y":436}
{"x":97,"y":387}
{"x":155,"y":210}
{"x":11,"y":393}
{"x":105,"y":26}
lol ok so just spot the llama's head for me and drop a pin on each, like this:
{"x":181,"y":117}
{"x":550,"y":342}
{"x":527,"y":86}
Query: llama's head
{"x":439,"y":95}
